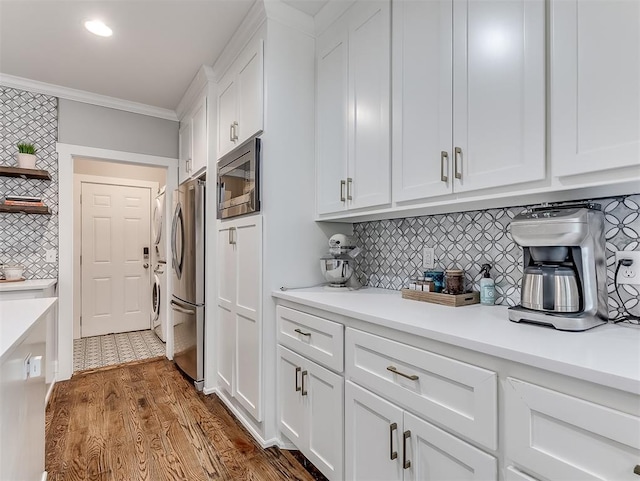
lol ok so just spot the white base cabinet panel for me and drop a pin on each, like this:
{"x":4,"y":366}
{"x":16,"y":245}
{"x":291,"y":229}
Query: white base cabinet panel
{"x":239,"y":350}
{"x":383,"y":442}
{"x":459,"y":396}
{"x":556,"y":436}
{"x":310,"y":411}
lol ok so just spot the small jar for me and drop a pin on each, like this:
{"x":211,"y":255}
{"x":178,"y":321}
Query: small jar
{"x":429,"y":285}
{"x":438,"y":278}
{"x":454,"y":279}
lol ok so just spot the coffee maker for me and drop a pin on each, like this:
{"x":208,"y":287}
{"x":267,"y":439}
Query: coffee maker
{"x":564,"y":282}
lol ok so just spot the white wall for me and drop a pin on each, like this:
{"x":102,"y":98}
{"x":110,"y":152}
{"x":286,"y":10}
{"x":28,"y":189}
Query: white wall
{"x":102,"y":127}
{"x":103,"y":168}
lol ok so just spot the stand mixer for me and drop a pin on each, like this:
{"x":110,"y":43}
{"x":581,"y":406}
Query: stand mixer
{"x":337,"y":267}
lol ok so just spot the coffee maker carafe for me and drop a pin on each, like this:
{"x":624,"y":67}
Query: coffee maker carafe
{"x":564,"y":272}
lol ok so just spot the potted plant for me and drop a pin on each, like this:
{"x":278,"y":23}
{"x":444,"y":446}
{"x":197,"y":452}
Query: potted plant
{"x":26,"y":156}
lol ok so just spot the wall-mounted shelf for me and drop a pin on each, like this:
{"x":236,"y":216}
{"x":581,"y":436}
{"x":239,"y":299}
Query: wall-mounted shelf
{"x":25,"y":209}
{"x":24,"y":173}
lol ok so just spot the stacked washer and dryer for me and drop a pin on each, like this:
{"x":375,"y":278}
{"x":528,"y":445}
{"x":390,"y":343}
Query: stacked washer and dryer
{"x":158,"y":292}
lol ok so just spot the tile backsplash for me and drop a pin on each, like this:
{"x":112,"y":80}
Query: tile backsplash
{"x":29,"y":117}
{"x":393,"y":248}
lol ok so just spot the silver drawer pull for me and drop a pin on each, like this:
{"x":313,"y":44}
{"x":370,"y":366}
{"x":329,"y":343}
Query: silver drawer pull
{"x":298,"y":369}
{"x":303,"y":333}
{"x":393,"y":369}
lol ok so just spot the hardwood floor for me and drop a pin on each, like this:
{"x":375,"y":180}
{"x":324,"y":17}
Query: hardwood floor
{"x":146,"y":422}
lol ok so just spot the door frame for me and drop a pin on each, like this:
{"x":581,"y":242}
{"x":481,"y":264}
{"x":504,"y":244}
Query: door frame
{"x":66,"y":276}
{"x":78,"y":180}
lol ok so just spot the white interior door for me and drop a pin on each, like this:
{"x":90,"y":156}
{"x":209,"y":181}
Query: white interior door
{"x":116,"y":227}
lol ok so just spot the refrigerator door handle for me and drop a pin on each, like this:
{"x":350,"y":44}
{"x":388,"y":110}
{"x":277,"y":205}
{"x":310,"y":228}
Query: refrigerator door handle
{"x":177,"y":307}
{"x":177,"y":261}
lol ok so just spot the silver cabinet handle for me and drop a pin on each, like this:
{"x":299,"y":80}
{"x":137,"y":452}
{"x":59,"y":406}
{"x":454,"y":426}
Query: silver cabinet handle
{"x":302,"y":333}
{"x":231,"y":131}
{"x":304,"y":391}
{"x":298,"y":369}
{"x":444,"y":157}
{"x":392,"y":454}
{"x":394,"y":370}
{"x":179,"y":308}
{"x":235,"y":131}
{"x":406,"y":464}
{"x":342,"y":184}
{"x":232,"y":239}
{"x":458,"y":156}
{"x":349,"y":185}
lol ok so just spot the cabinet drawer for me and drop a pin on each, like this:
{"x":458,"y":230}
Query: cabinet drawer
{"x":557,"y":436}
{"x":453,"y":394}
{"x":315,"y":338}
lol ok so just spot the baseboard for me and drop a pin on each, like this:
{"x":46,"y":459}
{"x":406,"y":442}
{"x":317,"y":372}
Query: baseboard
{"x":47,"y":397}
{"x":264,"y":443}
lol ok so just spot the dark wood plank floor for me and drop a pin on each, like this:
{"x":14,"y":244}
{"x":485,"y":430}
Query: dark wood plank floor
{"x":146,"y":422}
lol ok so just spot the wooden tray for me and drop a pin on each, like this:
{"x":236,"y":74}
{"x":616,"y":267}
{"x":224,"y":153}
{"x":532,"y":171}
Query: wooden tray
{"x":13,"y":280}
{"x":443,"y":299}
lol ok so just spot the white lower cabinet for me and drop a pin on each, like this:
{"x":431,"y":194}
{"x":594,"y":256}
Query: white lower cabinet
{"x":239,"y":317}
{"x":557,"y":436}
{"x":310,"y":411}
{"x":384,"y":442}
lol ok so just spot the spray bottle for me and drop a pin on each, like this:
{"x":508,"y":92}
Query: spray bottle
{"x":487,"y":287}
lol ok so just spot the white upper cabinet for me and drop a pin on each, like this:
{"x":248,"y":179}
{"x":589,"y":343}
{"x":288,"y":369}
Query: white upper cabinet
{"x":595,"y":85}
{"x":184,"y":150}
{"x":469,"y":96}
{"x":422,"y":99}
{"x":241,"y":98}
{"x":353,"y":119}
{"x":199,"y":138}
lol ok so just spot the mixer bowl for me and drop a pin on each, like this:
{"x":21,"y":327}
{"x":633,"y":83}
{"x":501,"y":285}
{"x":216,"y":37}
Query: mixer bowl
{"x":336,"y":271}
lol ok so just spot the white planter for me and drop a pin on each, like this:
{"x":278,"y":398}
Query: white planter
{"x":27,"y":161}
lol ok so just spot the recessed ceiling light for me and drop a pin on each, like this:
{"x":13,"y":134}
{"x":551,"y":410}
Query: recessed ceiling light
{"x":98,"y":28}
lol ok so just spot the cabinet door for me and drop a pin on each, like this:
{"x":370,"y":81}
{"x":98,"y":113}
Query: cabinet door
{"x":436,"y":455}
{"x":199,"y":137}
{"x":250,"y":81}
{"x":291,"y":411}
{"x":373,"y":437}
{"x":226,"y":114}
{"x":324,"y":398}
{"x":184,"y":150}
{"x":247,"y":242}
{"x":226,"y":325}
{"x":331,"y":120}
{"x":498,"y":93}
{"x":595,"y":85}
{"x":557,"y":436}
{"x":422,"y":99}
{"x":369,"y":172}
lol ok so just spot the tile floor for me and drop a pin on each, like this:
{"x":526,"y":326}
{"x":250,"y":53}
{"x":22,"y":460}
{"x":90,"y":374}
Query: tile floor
{"x":100,"y":351}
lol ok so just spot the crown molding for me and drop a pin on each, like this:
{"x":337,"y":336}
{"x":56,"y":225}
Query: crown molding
{"x":289,"y":16}
{"x":249,"y":26}
{"x":330,"y":13}
{"x":204,"y":77}
{"x":85,"y":97}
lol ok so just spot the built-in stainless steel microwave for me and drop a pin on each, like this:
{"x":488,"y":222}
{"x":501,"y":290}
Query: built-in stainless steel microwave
{"x":239,"y":180}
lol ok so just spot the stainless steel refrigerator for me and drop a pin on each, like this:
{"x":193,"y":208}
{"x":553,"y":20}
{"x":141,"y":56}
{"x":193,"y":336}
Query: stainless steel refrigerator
{"x":187,"y":259}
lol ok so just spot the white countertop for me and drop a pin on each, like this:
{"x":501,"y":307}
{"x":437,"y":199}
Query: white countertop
{"x":28,"y":285}
{"x":18,"y":317}
{"x":608,"y":355}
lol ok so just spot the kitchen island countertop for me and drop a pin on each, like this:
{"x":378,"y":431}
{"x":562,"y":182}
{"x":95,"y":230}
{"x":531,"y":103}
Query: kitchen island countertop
{"x":18,"y":317}
{"x":608,"y":355}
